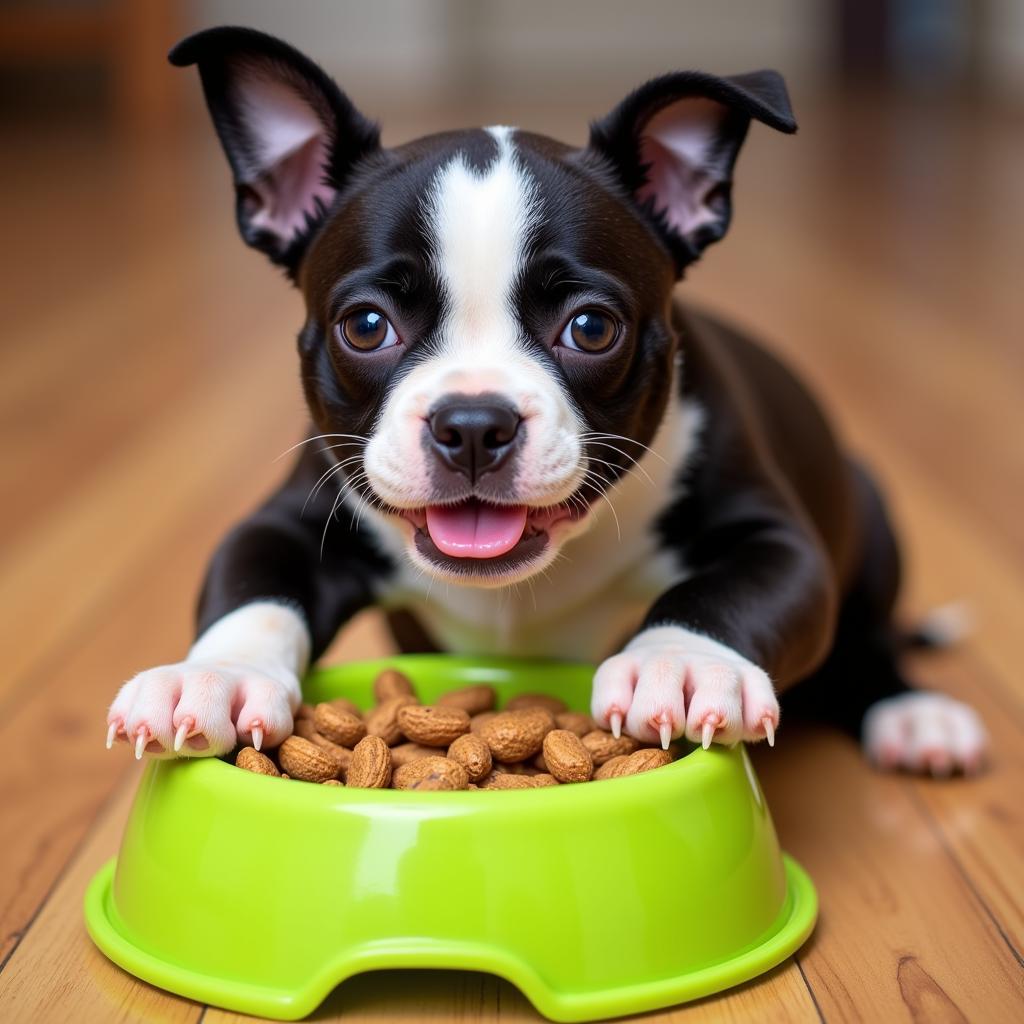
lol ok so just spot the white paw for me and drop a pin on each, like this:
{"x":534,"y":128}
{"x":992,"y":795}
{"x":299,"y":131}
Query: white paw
{"x":670,"y":682}
{"x":202,"y":708}
{"x":924,"y":732}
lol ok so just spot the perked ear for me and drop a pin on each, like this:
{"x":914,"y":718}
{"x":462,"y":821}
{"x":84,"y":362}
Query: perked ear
{"x":673,"y":144}
{"x":290,"y":134}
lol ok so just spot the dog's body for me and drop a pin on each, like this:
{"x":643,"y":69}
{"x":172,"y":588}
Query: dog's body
{"x":522,"y":445}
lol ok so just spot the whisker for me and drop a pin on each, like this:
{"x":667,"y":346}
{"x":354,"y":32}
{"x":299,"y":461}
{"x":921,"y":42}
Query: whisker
{"x":321,"y":437}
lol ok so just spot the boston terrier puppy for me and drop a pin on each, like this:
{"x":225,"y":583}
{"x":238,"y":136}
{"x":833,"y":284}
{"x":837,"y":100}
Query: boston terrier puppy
{"x":522,"y":443}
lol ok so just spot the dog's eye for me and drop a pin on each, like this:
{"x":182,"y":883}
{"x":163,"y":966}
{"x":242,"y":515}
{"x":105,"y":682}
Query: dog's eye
{"x":590,"y":330}
{"x":367,"y":330}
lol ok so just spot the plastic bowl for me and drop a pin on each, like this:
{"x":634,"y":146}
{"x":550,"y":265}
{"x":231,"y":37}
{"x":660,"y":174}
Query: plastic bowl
{"x":261,"y":895}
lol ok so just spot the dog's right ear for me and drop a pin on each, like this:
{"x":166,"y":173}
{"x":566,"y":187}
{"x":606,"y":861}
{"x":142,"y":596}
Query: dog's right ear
{"x":290,"y":134}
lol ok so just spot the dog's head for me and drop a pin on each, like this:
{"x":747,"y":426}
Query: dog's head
{"x":488,"y":345}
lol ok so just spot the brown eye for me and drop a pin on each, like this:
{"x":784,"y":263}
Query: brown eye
{"x":590,"y":330}
{"x":367,"y":330}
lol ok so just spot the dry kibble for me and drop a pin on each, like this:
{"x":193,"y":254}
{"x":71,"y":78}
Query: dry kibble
{"x":504,"y":780}
{"x":516,"y":735}
{"x":382,"y":721}
{"x":537,"y":700}
{"x":459,"y":742}
{"x":474,"y":700}
{"x":370,"y":767}
{"x":431,"y":773}
{"x":603,"y":746}
{"x":566,"y":757}
{"x":575,"y":721}
{"x":432,"y":726}
{"x":473,"y":754}
{"x":406,"y":752}
{"x":339,"y":726}
{"x":392,"y":683}
{"x":609,"y":770}
{"x":344,"y":704}
{"x":644,"y":761}
{"x":477,"y":722}
{"x":252,"y":760}
{"x":304,"y":727}
{"x":304,"y":760}
{"x":340,"y":755}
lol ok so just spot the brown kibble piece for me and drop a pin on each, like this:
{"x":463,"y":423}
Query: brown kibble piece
{"x":603,"y":746}
{"x":477,"y":722}
{"x":537,"y":700}
{"x":252,"y":760}
{"x":644,"y":761}
{"x":544,"y":779}
{"x":406,"y":752}
{"x":431,"y":773}
{"x":382,"y":721}
{"x":303,"y":711}
{"x":474,"y":700}
{"x":516,"y":735}
{"x":339,"y":726}
{"x":304,"y":760}
{"x":575,"y":721}
{"x":342,"y":756}
{"x":609,"y":770}
{"x":473,"y":754}
{"x":503,"y":780}
{"x":344,"y":704}
{"x":390,"y":684}
{"x":432,"y":726}
{"x":370,"y":767}
{"x":566,"y":757}
{"x":331,"y":782}
{"x":304,"y":727}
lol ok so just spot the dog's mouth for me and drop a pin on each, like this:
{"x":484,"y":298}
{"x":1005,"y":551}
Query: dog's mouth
{"x":479,"y":537}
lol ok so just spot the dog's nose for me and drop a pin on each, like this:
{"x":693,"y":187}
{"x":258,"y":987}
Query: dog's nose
{"x":474,"y":434}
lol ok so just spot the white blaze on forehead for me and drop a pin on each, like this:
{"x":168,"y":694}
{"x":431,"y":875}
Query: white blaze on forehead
{"x":481,"y":223}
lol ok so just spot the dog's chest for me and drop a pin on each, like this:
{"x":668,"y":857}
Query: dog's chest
{"x":584,"y":608}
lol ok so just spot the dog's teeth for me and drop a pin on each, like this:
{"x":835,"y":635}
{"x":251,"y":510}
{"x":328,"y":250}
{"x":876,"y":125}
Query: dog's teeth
{"x":140,"y":742}
{"x":769,"y":730}
{"x":111,"y":733}
{"x":615,"y":720}
{"x":257,"y":736}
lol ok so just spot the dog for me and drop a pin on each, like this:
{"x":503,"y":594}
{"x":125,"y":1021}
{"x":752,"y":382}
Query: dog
{"x":522,"y":443}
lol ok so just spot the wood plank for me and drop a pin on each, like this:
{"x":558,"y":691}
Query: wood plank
{"x":901,"y":935}
{"x":57,"y":974}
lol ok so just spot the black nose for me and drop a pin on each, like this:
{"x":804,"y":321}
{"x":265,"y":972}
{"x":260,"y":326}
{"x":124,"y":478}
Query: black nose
{"x":474,"y":434}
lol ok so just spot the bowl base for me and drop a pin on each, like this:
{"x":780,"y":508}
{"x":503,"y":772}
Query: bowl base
{"x":794,"y":925}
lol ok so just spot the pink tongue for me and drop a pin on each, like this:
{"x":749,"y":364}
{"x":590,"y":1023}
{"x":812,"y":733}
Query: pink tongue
{"x":475,"y":530}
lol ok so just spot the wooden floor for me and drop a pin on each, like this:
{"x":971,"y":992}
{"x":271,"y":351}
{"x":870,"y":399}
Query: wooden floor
{"x":148,"y":381}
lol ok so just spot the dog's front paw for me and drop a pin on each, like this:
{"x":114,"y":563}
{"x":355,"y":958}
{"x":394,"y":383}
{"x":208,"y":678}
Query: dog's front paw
{"x":924,"y":732}
{"x":202,"y":708}
{"x":669,"y":682}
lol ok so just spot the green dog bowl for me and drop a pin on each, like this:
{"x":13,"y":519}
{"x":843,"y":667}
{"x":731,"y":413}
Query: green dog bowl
{"x":608,"y":898}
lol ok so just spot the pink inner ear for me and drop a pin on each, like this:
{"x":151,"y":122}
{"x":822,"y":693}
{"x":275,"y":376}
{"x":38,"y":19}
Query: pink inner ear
{"x":288,"y":139}
{"x":678,"y":143}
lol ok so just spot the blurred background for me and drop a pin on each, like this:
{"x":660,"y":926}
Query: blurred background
{"x":148,"y":381}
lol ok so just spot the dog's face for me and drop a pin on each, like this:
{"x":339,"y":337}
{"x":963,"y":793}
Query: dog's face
{"x":488,"y":346}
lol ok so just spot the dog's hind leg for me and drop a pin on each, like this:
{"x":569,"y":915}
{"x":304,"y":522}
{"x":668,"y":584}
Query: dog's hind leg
{"x":861,"y":687}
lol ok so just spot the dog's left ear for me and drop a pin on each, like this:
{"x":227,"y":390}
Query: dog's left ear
{"x":673,"y":144}
{"x":290,"y":134}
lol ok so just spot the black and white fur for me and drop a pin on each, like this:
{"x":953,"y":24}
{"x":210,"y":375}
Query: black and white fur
{"x":691,"y":524}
